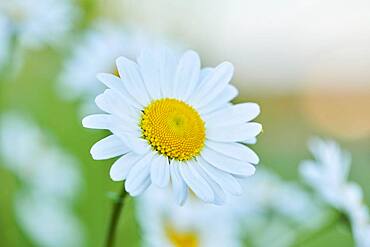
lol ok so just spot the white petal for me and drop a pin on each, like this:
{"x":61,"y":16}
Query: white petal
{"x":130,"y":75}
{"x":219,"y":194}
{"x":111,"y":81}
{"x":97,"y":121}
{"x":224,"y":179}
{"x":109,"y":147}
{"x":179,"y":187}
{"x":102,"y":103}
{"x":138,"y":175}
{"x":235,"y":114}
{"x":250,"y":141}
{"x":115,"y":83}
{"x":222,"y":100}
{"x":167,"y":67}
{"x":160,"y":171}
{"x":149,"y":68}
{"x":234,"y":150}
{"x":187,"y":75}
{"x":132,"y":140}
{"x":118,"y":125}
{"x":196,"y":182}
{"x":123,"y":165}
{"x":234,"y":133}
{"x":205,"y":72}
{"x":311,"y":172}
{"x":113,"y":103}
{"x":227,"y":164}
{"x":212,"y":85}
{"x":142,"y":187}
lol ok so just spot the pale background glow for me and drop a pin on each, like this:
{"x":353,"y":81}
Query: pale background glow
{"x":276,"y":46}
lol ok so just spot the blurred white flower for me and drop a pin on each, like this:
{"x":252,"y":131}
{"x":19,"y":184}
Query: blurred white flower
{"x":265,"y":192}
{"x":47,"y":221}
{"x":274,"y":211}
{"x":49,"y":183}
{"x":357,"y":213}
{"x":328,"y":176}
{"x":37,"y":163}
{"x":195,"y":224}
{"x":270,"y":212}
{"x":172,"y":120}
{"x":38,"y":22}
{"x":106,"y":42}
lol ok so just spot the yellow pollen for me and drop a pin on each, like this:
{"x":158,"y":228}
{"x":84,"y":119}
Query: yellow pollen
{"x":115,"y":71}
{"x":173,"y":128}
{"x":181,"y":239}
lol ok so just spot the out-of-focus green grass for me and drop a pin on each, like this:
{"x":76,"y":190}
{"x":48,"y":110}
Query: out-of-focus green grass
{"x":281,"y":147}
{"x":33,"y":93}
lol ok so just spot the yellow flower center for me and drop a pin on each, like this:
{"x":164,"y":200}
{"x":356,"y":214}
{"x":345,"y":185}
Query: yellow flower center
{"x":173,"y":128}
{"x":115,"y":71}
{"x":182,"y":239}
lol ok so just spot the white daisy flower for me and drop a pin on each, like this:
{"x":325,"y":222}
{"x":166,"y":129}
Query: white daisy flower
{"x":173,"y":121}
{"x":38,"y":22}
{"x":193,"y":225}
{"x":328,"y":176}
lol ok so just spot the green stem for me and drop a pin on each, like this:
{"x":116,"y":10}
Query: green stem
{"x":7,"y":71}
{"x":116,"y":212}
{"x":323,"y":230}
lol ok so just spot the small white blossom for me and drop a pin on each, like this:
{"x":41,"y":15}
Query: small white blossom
{"x":328,"y":176}
{"x":194,"y":224}
{"x":272,"y":210}
{"x":38,"y":22}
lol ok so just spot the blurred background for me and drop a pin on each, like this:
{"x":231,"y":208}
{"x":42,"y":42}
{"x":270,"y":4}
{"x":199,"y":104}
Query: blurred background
{"x":306,"y":63}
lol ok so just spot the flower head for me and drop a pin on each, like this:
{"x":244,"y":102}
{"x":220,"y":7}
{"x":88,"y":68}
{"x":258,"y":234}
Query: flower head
{"x":173,"y":121}
{"x":328,"y":176}
{"x":165,"y":224}
{"x":38,"y":22}
{"x":329,"y":173}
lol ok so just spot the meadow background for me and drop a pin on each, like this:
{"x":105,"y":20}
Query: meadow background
{"x":306,"y":63}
